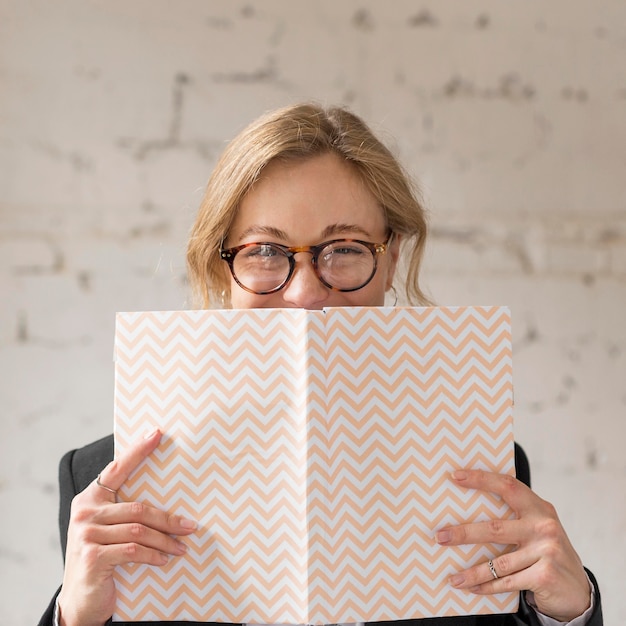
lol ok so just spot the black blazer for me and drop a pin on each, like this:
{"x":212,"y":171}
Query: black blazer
{"x":79,"y":468}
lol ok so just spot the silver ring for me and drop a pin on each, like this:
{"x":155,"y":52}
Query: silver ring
{"x":492,"y":569}
{"x":113,"y":491}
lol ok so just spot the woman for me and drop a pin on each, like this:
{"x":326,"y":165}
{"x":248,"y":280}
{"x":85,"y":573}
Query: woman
{"x":306,"y":208}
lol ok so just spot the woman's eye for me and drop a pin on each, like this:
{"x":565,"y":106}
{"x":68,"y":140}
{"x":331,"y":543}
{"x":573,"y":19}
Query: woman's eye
{"x":343,"y":251}
{"x":348,"y":250}
{"x":262,"y":252}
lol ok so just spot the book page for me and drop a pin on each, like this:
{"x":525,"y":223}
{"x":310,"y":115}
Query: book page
{"x":412,"y":394}
{"x":227,"y":388}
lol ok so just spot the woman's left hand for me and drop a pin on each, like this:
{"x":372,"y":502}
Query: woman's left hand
{"x":544,"y":560}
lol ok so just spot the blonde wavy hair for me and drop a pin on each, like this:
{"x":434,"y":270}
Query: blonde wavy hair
{"x":299,"y":132}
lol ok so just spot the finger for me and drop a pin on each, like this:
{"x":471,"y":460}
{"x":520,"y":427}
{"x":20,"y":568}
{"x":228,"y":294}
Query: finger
{"x":519,"y":581}
{"x":515,"y":493}
{"x":511,"y":532}
{"x":125,"y":553}
{"x":558,"y":593}
{"x":117,"y":471}
{"x":504,"y":565}
{"x":139,"y":534}
{"x":145,"y":515}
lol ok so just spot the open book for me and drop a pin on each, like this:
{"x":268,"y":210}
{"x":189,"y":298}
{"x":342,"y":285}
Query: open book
{"x":314,"y":449}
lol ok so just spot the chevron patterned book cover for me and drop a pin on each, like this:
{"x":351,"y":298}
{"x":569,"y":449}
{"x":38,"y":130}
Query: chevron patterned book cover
{"x":314,"y":449}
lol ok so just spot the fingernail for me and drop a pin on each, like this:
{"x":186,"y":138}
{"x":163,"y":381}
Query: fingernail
{"x":181,"y":547}
{"x":151,"y":434}
{"x":187,"y":523}
{"x":444,"y":536}
{"x":459,"y":475}
{"x":457,"y":580}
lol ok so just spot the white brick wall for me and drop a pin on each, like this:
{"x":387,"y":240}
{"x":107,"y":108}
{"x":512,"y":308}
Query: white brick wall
{"x":512,"y":115}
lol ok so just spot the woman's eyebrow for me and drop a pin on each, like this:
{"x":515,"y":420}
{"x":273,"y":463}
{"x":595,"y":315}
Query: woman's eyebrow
{"x":342,"y":229}
{"x":331,"y":230}
{"x":258,"y":229}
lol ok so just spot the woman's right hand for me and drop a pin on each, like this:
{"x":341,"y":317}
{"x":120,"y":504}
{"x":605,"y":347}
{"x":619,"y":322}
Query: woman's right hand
{"x":104,"y":533}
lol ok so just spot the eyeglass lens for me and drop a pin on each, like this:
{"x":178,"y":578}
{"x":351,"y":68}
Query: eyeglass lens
{"x":344,"y":265}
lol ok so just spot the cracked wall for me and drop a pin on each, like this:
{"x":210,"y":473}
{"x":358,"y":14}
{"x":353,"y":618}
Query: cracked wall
{"x":512,"y":116}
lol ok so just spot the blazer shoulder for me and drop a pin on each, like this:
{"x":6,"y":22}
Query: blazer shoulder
{"x":522,"y":466}
{"x":77,"y":469}
{"x":81,"y":466}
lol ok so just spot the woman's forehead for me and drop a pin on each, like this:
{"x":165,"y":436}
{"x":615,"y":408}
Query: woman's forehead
{"x":313,"y":197}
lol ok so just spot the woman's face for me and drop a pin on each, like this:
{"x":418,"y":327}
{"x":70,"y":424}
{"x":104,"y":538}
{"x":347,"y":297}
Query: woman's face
{"x":305,"y":203}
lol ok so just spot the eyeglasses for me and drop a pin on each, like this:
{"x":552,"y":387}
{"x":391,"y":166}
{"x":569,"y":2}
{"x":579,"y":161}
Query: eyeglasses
{"x":340,"y":264}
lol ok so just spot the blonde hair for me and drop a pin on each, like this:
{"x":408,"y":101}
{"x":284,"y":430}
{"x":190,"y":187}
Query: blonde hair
{"x":299,"y":132}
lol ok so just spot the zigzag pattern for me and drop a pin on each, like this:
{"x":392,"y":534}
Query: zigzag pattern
{"x":314,"y":449}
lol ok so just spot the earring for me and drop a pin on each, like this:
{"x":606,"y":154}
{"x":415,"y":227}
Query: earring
{"x":395,"y":295}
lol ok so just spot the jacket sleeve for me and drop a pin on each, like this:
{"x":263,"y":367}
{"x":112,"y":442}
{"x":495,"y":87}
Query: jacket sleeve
{"x":47,"y":619}
{"x":596,"y":618}
{"x":67,"y":493}
{"x":527,"y":615}
{"x":76,"y":470}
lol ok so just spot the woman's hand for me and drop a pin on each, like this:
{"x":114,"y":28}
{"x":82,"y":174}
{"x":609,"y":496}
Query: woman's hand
{"x":544,"y":561}
{"x":103,"y":533}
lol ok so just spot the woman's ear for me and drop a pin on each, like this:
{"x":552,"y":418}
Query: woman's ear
{"x":393,"y":256}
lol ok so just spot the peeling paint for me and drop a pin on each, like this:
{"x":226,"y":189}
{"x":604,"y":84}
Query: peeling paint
{"x":457,"y":86}
{"x":509,"y":87}
{"x":84,"y":280}
{"x":88,"y":73}
{"x":79,"y":162}
{"x":423,"y":18}
{"x":180,"y":81}
{"x":588,"y":280}
{"x":516,"y":248}
{"x":143,"y":149}
{"x":158,"y":229}
{"x":362,"y":20}
{"x":562,"y":398}
{"x":600,"y":32}
{"x":592,"y":455}
{"x":577,"y":94}
{"x":463,"y":235}
{"x":219,"y":23}
{"x":248,"y":11}
{"x":569,"y":382}
{"x":482,"y":22}
{"x":55,"y":266}
{"x":22,"y":327}
{"x":614,"y":350}
{"x":264,"y":74}
{"x":12,"y":556}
